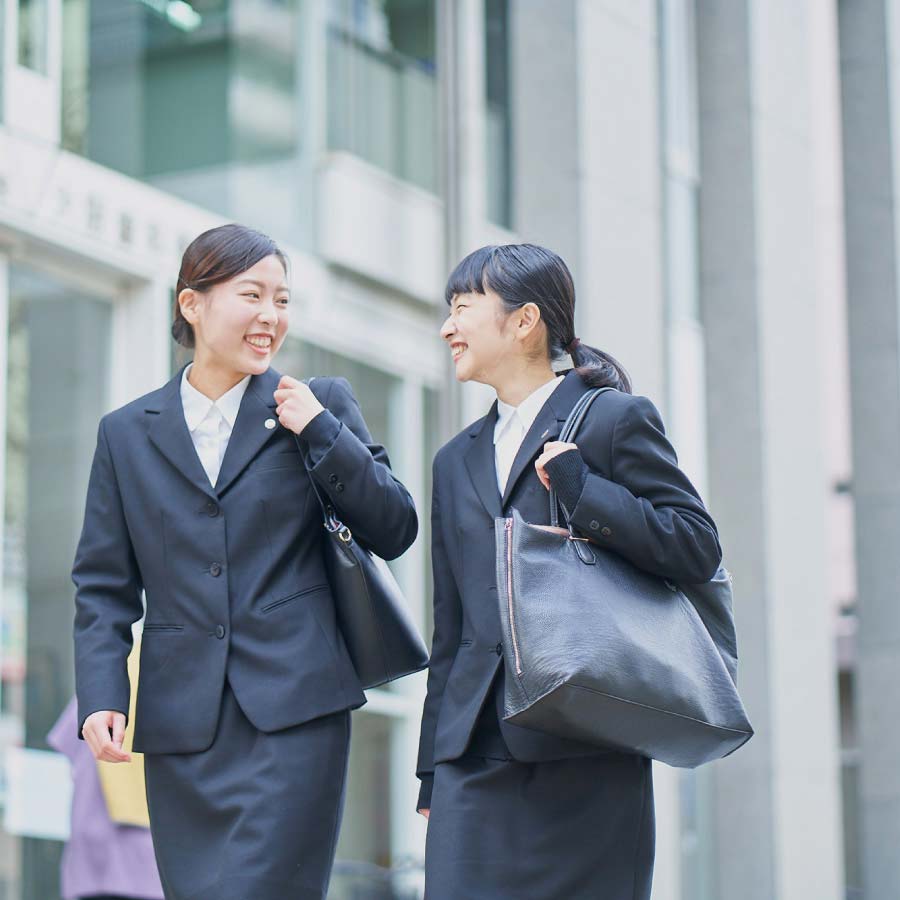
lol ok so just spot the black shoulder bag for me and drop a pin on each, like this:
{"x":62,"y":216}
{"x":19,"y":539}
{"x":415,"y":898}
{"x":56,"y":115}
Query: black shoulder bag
{"x":603,"y":652}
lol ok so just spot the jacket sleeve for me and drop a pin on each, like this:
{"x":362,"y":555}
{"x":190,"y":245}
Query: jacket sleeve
{"x":648,"y":511}
{"x":107,"y":593}
{"x":444,"y":645}
{"x":354,"y":473}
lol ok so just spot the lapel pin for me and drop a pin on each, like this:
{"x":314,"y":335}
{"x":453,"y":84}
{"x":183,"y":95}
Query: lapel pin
{"x":269,"y":423}
{"x":545,"y":434}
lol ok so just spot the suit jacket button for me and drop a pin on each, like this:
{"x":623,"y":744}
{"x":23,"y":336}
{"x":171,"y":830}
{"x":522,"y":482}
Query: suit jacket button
{"x":339,"y":487}
{"x":215,"y":570}
{"x":212,"y":508}
{"x":220,"y":631}
{"x":499,"y":649}
{"x":606,"y":531}
{"x":332,"y":479}
{"x":594,"y":524}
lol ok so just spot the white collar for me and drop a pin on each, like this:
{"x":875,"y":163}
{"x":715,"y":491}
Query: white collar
{"x":527,"y":411}
{"x":197,"y":405}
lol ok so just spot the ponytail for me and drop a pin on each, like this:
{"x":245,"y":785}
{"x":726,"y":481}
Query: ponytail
{"x":598,"y":369}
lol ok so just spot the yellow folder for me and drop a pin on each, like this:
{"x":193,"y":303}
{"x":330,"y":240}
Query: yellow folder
{"x":123,"y":783}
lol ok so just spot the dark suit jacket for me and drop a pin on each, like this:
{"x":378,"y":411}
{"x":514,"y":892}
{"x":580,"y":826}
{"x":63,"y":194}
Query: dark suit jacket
{"x":635,"y":501}
{"x":234,"y":575}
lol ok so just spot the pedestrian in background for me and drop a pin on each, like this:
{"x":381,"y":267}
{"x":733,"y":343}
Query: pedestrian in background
{"x":103,"y":859}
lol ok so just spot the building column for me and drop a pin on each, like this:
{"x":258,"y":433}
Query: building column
{"x":620,"y":213}
{"x":461,"y":67}
{"x":870,"y":78}
{"x":776,"y":806}
{"x":544,"y":111}
{"x":608,"y":205}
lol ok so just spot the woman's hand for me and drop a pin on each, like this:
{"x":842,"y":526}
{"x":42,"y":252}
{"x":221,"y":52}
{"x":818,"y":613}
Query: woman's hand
{"x":551,"y":449}
{"x":96,"y":733}
{"x":425,"y":812}
{"x":297,"y":405}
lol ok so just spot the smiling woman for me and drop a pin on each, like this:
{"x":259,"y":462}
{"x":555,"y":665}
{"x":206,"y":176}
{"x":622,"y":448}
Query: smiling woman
{"x":508,"y":806}
{"x":199,"y":496}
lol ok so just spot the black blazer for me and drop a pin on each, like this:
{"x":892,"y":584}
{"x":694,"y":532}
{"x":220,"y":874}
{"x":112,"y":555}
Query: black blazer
{"x":635,"y":501}
{"x":234,"y":575}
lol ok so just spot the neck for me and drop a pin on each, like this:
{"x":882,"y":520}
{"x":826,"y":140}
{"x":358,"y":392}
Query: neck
{"x":516,"y":386}
{"x":211,"y":380}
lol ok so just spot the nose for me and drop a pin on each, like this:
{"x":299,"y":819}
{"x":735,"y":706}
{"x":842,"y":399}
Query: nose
{"x":448,"y":329}
{"x":268,"y":314}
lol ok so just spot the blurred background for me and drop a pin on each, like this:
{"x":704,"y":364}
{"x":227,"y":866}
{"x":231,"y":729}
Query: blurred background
{"x":722,"y":178}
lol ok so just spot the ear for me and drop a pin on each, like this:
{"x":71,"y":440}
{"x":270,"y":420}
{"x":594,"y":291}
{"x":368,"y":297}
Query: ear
{"x":188,"y":301}
{"x":528,"y":318}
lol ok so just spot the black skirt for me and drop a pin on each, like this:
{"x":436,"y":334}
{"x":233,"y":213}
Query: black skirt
{"x":572,"y":829}
{"x":254,"y":817}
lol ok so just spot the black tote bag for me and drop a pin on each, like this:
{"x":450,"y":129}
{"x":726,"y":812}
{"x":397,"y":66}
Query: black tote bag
{"x":603,"y":652}
{"x":381,"y":637}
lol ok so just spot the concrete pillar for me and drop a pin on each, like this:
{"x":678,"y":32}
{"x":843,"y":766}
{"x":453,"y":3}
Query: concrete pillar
{"x":600,"y":184}
{"x":870,"y":75}
{"x":544,"y":104}
{"x":620,"y":290}
{"x":776,"y":802}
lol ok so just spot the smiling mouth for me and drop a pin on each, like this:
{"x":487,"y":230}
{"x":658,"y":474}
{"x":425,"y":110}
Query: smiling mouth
{"x":261,"y":343}
{"x":457,"y":350}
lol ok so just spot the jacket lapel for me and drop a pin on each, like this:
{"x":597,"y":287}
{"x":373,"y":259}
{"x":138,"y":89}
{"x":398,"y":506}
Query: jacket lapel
{"x":169,"y":433}
{"x":479,"y":459}
{"x":546,"y":427}
{"x":250,"y":434}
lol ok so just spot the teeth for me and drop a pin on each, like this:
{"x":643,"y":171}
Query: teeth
{"x":260,"y":341}
{"x":458,"y":351}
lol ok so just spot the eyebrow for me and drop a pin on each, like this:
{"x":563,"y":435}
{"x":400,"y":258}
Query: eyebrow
{"x":260,"y":284}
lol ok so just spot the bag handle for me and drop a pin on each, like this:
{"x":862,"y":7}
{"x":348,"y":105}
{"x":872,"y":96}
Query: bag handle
{"x":569,"y":430}
{"x":330,"y":520}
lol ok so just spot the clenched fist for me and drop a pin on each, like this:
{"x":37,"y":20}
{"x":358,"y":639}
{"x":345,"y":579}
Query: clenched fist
{"x":297,"y":405}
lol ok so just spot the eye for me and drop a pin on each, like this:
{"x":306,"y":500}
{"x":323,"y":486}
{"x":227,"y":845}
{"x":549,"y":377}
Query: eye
{"x":461,"y":306}
{"x":252,"y":294}
{"x":284,"y":301}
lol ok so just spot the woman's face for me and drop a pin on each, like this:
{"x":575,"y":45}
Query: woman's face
{"x":240,"y":324}
{"x":481,"y":337}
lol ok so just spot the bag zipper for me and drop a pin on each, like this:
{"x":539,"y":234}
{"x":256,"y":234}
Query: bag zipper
{"x":509,"y":596}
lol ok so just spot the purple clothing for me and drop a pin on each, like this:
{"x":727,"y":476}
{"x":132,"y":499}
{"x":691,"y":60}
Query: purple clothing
{"x":101,"y":856}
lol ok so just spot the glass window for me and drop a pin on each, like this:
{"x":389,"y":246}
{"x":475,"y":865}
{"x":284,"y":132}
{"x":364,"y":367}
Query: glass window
{"x":364,"y":846}
{"x":682,"y":255}
{"x":163,"y":89}
{"x":33,"y":35}
{"x":498,"y":109}
{"x":433,"y":442}
{"x":56,"y":389}
{"x":382,"y":94}
{"x":680,"y":157}
{"x":681,"y":180}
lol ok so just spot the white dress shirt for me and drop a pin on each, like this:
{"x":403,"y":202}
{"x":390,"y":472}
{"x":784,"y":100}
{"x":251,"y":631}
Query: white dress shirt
{"x":512,"y":425}
{"x":210,"y":421}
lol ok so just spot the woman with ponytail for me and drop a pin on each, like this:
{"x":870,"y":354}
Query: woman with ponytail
{"x":515,"y":813}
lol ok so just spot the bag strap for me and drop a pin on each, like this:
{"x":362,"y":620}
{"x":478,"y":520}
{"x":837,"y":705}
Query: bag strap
{"x":330,"y":519}
{"x":567,"y":435}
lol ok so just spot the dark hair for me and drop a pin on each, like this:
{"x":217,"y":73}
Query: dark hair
{"x":526,"y":273}
{"x":215,"y":256}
